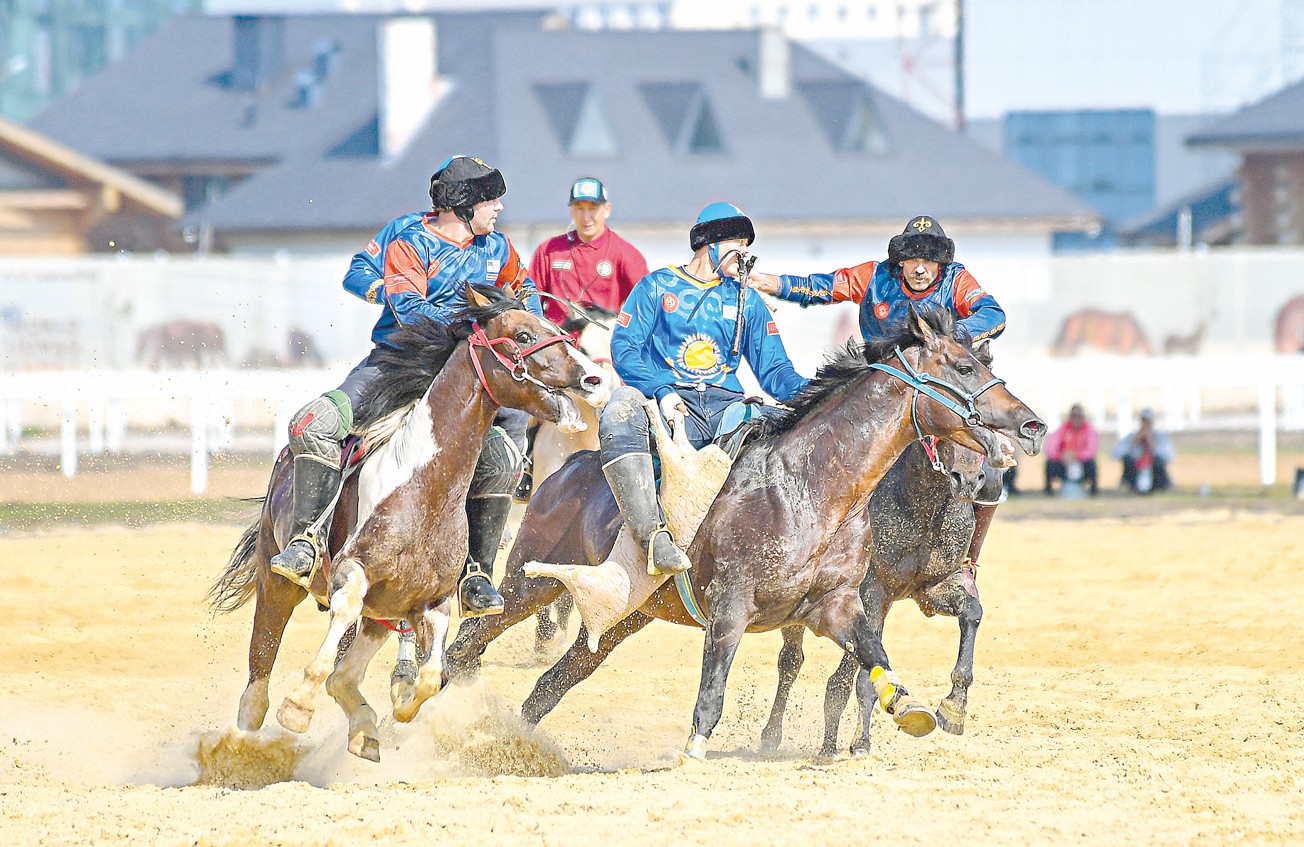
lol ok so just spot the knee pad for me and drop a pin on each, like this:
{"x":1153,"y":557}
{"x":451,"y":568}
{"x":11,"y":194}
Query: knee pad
{"x":319,"y":427}
{"x":499,"y":468}
{"x":623,"y":428}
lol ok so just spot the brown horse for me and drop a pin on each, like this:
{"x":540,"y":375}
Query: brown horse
{"x":914,"y":534}
{"x":759,"y":556}
{"x":398,"y":539}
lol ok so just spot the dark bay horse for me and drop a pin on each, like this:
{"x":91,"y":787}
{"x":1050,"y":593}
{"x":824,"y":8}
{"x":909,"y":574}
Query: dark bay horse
{"x":914,"y":534}
{"x":398,"y":538}
{"x":758,"y":557}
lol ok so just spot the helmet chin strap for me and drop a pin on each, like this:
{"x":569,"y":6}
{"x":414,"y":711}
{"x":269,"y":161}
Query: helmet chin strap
{"x":713,"y":253}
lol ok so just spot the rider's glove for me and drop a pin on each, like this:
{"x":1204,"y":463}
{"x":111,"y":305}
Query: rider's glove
{"x":672,"y":407}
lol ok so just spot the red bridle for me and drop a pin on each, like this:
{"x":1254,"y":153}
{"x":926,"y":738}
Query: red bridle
{"x":515,"y":362}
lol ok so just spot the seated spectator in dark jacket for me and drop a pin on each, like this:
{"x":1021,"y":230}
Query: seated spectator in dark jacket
{"x":1146,"y":454}
{"x":1071,"y":452}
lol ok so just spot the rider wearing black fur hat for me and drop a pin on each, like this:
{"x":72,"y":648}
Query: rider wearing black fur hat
{"x":418,"y":266}
{"x":920,"y":268}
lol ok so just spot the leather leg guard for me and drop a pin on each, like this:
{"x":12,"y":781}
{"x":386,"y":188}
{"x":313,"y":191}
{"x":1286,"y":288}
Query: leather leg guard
{"x":632,"y":482}
{"x":315,"y":486}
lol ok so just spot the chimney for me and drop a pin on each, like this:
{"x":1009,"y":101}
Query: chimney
{"x":775,"y":64}
{"x":259,"y":51}
{"x":409,"y":85}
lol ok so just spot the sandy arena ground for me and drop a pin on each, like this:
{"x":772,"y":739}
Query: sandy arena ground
{"x":1137,"y":681}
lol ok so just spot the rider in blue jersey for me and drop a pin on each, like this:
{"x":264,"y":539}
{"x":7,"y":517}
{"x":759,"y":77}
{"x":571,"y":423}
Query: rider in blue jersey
{"x":673,"y":342}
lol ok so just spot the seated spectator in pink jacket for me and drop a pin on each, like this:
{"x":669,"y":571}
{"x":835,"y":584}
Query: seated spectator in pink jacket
{"x":1071,"y":452}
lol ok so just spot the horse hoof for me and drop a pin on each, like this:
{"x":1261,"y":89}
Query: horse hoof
{"x":294,"y":717}
{"x":914,"y":719}
{"x":769,"y":746}
{"x":696,"y":749}
{"x":860,"y":751}
{"x":405,"y":704}
{"x":950,"y":719}
{"x":365,"y":747}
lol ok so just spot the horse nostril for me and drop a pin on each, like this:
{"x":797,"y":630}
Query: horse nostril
{"x":593,"y":382}
{"x":1032,"y":428}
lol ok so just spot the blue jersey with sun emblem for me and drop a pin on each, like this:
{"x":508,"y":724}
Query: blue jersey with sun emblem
{"x":675,"y":331}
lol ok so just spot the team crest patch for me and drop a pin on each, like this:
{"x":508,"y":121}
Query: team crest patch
{"x":771,"y":328}
{"x":491,"y":268}
{"x":373,"y":249}
{"x":604,"y":268}
{"x":623,"y":319}
{"x":669,"y":302}
{"x":881,"y":311}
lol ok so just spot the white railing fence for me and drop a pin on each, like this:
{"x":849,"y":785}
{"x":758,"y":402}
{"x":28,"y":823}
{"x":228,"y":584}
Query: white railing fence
{"x":96,"y":411}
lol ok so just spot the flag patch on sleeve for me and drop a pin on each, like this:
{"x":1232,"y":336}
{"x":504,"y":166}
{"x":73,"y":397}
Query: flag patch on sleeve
{"x":771,"y":328}
{"x":623,"y":319}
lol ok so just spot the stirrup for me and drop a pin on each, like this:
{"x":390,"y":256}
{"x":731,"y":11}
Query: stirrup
{"x":474,"y":568}
{"x":651,"y":540}
{"x":318,"y":552}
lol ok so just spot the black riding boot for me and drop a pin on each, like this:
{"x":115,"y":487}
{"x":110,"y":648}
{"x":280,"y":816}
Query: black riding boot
{"x":632,"y":481}
{"x":486,"y":517}
{"x":315,"y":484}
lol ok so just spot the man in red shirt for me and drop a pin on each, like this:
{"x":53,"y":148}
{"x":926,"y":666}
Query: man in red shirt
{"x":590,"y":265}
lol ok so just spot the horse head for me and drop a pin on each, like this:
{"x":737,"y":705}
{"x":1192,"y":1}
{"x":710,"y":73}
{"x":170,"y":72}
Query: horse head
{"x":526,"y":362}
{"x":968,"y":404}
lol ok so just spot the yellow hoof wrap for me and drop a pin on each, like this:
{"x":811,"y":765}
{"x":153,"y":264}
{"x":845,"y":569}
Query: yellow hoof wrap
{"x":885,"y":686}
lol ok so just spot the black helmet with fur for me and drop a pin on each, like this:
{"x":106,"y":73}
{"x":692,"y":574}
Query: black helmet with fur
{"x":462,"y":181}
{"x":923,"y":238}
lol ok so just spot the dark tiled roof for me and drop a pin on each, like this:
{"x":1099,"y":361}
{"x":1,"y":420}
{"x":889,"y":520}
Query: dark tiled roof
{"x":835,"y":148}
{"x":1274,"y":123}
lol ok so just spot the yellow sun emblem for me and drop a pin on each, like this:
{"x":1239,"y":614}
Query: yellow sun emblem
{"x":700,"y":354}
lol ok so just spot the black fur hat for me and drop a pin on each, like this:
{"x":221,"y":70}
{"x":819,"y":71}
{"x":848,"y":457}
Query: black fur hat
{"x":462,"y":181}
{"x":720,"y":222}
{"x":923,"y":238}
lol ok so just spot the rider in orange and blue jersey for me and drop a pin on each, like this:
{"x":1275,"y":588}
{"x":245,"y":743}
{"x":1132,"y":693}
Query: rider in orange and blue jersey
{"x":419,"y":265}
{"x":920,"y":269}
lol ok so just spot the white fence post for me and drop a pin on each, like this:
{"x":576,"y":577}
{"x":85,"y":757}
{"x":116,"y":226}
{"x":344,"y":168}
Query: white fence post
{"x":198,"y":442}
{"x":115,"y":434}
{"x":95,"y":424}
{"x":1268,"y":433}
{"x":68,"y":438}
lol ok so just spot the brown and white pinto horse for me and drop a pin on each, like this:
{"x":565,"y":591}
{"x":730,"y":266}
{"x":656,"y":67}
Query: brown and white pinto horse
{"x":398,"y":539}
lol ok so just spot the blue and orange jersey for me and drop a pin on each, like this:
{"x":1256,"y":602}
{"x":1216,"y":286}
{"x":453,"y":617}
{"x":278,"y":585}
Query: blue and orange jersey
{"x":883,"y":297}
{"x":413,"y":270}
{"x":675,"y":330}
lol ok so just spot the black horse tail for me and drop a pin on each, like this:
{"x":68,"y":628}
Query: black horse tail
{"x":233,"y":588}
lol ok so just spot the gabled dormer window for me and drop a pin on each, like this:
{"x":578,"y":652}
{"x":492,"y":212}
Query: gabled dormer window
{"x":578,"y":118}
{"x":845,"y":112}
{"x":683,"y":112}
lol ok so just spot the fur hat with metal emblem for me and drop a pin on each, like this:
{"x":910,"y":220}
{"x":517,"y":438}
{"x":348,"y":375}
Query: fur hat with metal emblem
{"x":923,"y":238}
{"x":462,"y":181}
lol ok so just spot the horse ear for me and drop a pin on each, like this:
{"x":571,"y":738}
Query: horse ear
{"x":919,"y":326}
{"x":475,"y":298}
{"x":982,"y":351}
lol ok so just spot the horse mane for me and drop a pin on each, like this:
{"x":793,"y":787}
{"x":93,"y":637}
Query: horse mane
{"x":846,"y":364}
{"x":418,"y":352}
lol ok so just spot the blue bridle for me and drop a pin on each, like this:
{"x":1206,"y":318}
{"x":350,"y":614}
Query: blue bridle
{"x":923,"y":384}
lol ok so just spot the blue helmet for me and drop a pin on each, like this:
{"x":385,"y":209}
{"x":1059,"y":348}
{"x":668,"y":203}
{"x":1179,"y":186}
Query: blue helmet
{"x":720,"y":222}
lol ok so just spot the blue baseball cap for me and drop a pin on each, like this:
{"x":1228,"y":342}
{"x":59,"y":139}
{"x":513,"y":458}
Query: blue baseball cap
{"x":588,"y":189}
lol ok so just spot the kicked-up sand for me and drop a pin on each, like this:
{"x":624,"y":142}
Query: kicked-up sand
{"x":1137,"y":681}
